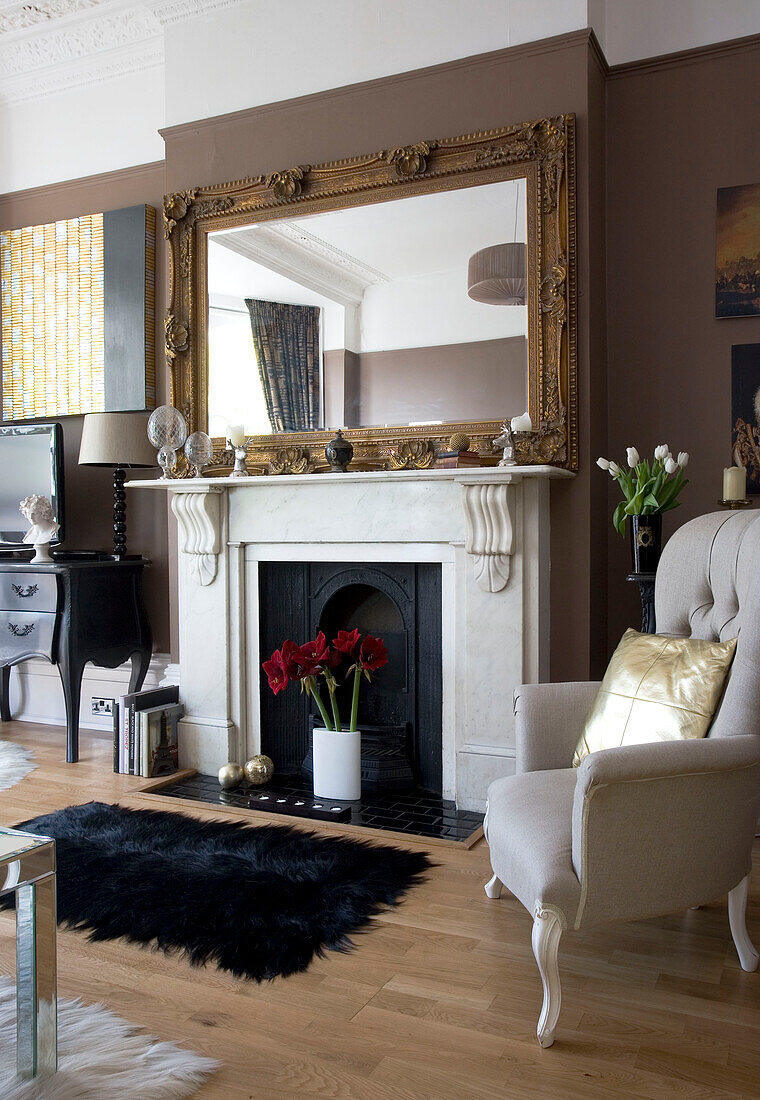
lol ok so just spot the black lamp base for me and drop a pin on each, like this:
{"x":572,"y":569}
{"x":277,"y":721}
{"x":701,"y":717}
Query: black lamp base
{"x":119,"y":513}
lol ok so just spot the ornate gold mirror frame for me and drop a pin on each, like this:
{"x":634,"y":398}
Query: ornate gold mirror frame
{"x":542,"y":151}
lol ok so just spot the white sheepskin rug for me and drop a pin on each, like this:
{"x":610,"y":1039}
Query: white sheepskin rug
{"x":100,"y":1057}
{"x":15,"y":763}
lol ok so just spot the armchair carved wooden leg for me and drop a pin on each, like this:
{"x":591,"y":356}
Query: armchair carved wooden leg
{"x":737,"y":918}
{"x":547,"y":930}
{"x":494,"y":884}
{"x":493,"y":887}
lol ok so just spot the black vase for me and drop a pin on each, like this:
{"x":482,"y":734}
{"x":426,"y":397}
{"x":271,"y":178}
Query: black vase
{"x":339,"y":452}
{"x":646,"y":542}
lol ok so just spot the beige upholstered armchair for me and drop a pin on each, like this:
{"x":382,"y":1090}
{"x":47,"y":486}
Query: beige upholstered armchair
{"x":642,"y":830}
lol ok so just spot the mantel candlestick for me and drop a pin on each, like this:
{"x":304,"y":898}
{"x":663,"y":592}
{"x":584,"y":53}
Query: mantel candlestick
{"x":238,"y":442}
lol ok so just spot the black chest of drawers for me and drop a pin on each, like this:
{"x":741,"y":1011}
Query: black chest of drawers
{"x":72,"y":612}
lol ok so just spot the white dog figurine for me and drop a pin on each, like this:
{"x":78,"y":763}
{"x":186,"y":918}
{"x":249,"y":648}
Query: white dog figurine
{"x":39,"y":512}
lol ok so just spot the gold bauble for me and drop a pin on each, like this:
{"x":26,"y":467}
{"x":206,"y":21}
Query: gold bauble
{"x":459,"y":442}
{"x":259,"y":770}
{"x":231,"y":775}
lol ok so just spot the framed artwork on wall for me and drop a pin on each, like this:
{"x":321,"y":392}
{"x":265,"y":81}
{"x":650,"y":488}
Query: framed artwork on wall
{"x":745,"y":411}
{"x":737,"y":252}
{"x":77,"y":315}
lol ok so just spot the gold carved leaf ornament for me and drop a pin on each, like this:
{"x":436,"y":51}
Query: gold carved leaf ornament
{"x":177,"y":336}
{"x":290,"y":460}
{"x":176,"y":207}
{"x":410,"y":160}
{"x":553,"y":290}
{"x":415,"y":454}
{"x":289,"y":183}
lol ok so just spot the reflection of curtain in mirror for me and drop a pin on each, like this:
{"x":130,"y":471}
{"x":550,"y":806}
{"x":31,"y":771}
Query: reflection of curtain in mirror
{"x":286,"y":341}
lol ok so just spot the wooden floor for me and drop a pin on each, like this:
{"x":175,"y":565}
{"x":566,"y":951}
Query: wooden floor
{"x":439,"y":1000}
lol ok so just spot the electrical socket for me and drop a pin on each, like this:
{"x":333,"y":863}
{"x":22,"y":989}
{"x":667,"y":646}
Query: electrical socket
{"x":102,"y":707}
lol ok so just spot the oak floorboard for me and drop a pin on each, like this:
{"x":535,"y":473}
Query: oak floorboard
{"x":439,"y":999}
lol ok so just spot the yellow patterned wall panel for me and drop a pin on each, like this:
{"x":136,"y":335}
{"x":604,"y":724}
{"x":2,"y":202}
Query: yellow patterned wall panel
{"x":53,"y":314}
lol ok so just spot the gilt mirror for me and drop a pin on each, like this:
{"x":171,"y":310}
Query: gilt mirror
{"x":403,"y":297}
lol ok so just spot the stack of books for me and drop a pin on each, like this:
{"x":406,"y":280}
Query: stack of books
{"x":457,"y":460}
{"x":145,"y":729}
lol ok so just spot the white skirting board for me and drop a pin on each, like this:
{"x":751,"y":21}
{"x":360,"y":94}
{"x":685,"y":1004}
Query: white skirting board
{"x":37,"y":695}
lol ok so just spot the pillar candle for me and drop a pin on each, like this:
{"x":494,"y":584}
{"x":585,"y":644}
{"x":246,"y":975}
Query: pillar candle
{"x":734,"y":483}
{"x":236,"y":435}
{"x":521,"y":423}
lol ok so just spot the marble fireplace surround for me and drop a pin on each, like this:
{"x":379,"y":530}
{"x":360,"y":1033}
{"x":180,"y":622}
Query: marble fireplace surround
{"x":488,"y":529}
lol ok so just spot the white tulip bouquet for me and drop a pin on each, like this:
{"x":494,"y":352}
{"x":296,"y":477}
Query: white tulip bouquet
{"x":648,"y":487}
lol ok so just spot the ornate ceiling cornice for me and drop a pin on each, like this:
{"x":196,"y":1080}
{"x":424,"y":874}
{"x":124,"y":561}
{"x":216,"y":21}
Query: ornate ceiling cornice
{"x":59,"y":44}
{"x":19,"y":17}
{"x":308,"y":260}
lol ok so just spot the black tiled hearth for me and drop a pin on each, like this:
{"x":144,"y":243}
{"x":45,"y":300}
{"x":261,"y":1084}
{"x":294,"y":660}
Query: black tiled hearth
{"x":416,"y":812}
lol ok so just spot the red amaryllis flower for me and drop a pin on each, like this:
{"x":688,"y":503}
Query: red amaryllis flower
{"x":316,"y":656}
{"x":314,"y":652}
{"x":347,"y":641}
{"x":275,"y":671}
{"x":333,"y":659}
{"x":372,"y":654}
{"x":290,"y":659}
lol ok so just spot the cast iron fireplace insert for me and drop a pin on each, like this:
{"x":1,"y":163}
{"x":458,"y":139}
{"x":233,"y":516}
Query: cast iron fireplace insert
{"x":402,"y":708}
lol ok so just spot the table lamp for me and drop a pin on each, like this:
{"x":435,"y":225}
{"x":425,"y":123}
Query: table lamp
{"x":120,"y":440}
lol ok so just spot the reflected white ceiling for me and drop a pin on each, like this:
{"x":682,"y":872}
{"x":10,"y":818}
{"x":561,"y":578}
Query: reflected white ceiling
{"x":400,"y":239}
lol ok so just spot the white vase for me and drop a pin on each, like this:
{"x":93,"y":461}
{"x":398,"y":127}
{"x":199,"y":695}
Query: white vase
{"x":337,"y":764}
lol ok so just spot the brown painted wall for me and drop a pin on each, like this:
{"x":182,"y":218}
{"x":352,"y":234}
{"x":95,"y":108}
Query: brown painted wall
{"x":677,"y":130}
{"x":89,"y":499}
{"x":550,"y":77}
{"x":450,"y":382}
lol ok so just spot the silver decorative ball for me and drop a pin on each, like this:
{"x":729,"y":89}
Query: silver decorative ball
{"x":198,"y":450}
{"x":259,"y":770}
{"x":167,"y":427}
{"x":231,"y":775}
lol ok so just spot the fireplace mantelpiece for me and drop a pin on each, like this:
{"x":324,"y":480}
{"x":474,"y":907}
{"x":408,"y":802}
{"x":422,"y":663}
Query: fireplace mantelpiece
{"x":489,"y":529}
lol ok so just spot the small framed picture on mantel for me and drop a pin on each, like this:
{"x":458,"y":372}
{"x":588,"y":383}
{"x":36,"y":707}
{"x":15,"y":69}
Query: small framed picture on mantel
{"x":737,"y":252}
{"x":745,"y":411}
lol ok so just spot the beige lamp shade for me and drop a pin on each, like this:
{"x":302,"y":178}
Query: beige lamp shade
{"x":498,"y":275}
{"x":116,"y":439}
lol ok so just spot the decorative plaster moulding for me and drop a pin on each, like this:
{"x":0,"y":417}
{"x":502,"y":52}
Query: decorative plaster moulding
{"x":292,"y":251}
{"x":66,"y":44}
{"x":21,"y":17}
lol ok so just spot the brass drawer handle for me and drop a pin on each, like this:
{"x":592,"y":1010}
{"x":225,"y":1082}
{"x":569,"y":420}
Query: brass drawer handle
{"x":20,"y":631}
{"x":24,"y":591}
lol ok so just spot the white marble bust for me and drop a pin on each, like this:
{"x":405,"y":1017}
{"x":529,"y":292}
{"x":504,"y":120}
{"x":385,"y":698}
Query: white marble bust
{"x":39,"y":512}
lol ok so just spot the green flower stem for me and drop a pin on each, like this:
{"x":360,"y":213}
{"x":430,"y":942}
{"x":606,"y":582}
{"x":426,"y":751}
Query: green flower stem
{"x":311,"y":686}
{"x":355,"y":700}
{"x":334,"y":703}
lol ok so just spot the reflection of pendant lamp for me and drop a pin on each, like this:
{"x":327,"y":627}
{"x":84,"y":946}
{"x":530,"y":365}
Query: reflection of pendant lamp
{"x":498,"y":275}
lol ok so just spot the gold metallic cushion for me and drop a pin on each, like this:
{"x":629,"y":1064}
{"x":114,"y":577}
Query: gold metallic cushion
{"x":656,"y":689}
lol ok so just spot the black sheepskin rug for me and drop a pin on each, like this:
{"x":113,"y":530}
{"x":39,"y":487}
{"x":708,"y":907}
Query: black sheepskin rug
{"x":260,"y":902}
